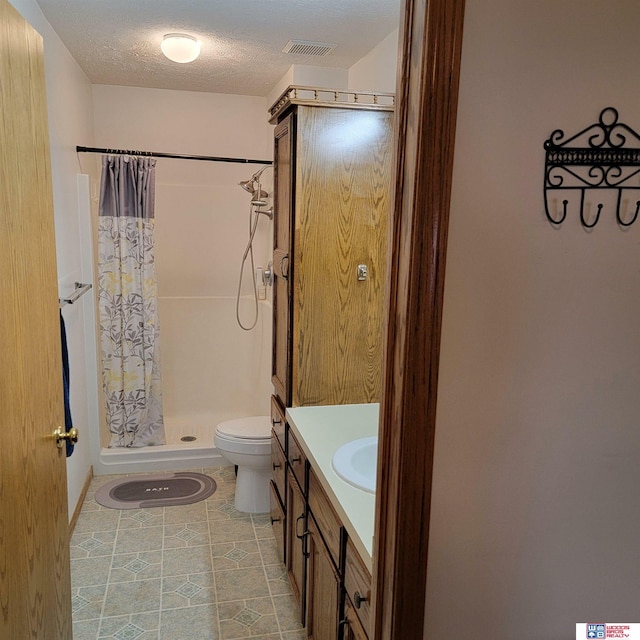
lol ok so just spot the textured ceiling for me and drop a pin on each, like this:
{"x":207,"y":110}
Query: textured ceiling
{"x":118,"y":41}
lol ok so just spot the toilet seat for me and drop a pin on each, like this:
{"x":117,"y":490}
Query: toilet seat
{"x":254,"y":428}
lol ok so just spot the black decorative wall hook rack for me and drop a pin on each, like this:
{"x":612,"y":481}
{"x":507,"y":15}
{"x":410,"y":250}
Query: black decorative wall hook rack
{"x":597,"y":158}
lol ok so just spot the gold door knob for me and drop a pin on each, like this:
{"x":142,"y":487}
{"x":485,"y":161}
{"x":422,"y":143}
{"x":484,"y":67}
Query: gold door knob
{"x":61,"y":436}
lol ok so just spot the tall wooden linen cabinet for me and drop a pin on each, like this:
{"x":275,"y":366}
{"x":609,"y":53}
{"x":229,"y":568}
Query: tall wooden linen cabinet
{"x":332,"y":176}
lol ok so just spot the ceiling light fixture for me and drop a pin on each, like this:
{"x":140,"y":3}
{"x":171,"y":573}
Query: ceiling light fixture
{"x":180,"y":47}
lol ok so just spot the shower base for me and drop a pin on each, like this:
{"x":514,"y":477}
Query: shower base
{"x":180,"y":452}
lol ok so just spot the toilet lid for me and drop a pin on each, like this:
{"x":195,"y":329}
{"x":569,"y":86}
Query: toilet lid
{"x":254,"y":428}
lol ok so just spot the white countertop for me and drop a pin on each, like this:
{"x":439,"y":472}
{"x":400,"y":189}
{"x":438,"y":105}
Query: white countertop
{"x":320,"y":431}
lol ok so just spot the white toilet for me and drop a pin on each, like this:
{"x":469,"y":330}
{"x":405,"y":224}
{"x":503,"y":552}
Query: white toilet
{"x":246,"y":442}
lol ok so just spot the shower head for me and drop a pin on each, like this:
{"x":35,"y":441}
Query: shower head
{"x":247,"y":185}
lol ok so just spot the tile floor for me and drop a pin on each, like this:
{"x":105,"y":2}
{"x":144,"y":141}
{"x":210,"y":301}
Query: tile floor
{"x":197,"y":572}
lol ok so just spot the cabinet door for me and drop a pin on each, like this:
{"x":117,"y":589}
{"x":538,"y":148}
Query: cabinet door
{"x":295,"y":553}
{"x":282,"y":250}
{"x":323,"y":589}
{"x":343,"y":178}
{"x":278,"y":521}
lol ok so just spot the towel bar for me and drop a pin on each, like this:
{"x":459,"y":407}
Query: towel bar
{"x":79,"y":291}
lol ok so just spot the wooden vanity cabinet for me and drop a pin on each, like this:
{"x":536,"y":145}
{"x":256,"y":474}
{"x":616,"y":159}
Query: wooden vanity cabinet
{"x":328,"y":579}
{"x":332,"y":178}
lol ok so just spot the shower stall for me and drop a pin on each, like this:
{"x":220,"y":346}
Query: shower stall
{"x":215,"y":315}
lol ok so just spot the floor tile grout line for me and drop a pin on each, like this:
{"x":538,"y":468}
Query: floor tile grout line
{"x":106,"y":590}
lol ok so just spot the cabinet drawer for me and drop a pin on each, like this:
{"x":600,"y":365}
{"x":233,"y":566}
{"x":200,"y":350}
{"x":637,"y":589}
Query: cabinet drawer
{"x":357,"y":584}
{"x":278,"y":421}
{"x":325,"y":516}
{"x":277,"y":520}
{"x":297,"y":461}
{"x":278,"y":465}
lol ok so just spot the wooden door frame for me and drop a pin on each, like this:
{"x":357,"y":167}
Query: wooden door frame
{"x":427,"y":96}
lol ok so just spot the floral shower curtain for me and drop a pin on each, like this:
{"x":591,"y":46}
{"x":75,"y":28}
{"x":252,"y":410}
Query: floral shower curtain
{"x":127,"y":299}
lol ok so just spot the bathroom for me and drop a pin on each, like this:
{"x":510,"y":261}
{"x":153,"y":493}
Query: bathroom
{"x":525,"y":438}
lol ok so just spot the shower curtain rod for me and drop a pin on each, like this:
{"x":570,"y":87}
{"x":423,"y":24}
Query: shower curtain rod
{"x":178,"y":156}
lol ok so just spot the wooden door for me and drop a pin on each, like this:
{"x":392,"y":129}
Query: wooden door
{"x":284,"y":137}
{"x":343,"y":179}
{"x":323,"y":588}
{"x":35,"y":589}
{"x":296,"y":534}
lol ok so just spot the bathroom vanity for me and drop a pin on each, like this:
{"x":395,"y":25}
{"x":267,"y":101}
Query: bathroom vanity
{"x":323,"y":524}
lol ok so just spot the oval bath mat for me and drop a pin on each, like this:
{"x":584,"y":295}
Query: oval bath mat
{"x":158,"y":490}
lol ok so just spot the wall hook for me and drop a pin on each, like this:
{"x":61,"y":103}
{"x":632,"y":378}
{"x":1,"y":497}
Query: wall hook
{"x":604,"y":155}
{"x":622,"y":223}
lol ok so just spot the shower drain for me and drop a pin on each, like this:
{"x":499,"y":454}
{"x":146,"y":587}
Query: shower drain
{"x":188,"y":438}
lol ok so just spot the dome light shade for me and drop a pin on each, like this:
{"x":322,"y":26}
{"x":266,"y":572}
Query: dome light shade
{"x":180,"y":47}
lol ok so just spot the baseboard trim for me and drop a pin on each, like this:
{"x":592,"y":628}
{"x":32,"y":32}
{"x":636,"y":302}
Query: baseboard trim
{"x":83,"y":494}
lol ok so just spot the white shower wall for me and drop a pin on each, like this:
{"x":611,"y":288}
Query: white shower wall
{"x":211,"y":369}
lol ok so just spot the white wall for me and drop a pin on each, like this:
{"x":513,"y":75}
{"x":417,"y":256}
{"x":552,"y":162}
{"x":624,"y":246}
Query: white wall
{"x":70,"y":123}
{"x":211,"y":369}
{"x":377,"y":70}
{"x":309,"y":76}
{"x":536,"y":511}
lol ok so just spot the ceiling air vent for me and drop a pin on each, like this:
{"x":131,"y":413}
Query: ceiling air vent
{"x":306,"y":48}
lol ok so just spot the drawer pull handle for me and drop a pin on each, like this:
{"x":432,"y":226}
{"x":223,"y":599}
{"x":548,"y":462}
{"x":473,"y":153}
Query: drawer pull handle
{"x":358,"y":599}
{"x":275,"y":421}
{"x":305,"y":533}
{"x":276,"y":465}
{"x":284,"y":267}
{"x":296,"y":459}
{"x":274,"y":520}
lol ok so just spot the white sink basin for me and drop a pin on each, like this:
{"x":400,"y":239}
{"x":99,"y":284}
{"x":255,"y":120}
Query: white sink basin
{"x":356,"y":461}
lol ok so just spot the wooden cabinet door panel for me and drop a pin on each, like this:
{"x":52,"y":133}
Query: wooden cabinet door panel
{"x":343,"y":178}
{"x":282,"y":249}
{"x":295,"y":552}
{"x":278,"y":521}
{"x":323,"y":589}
